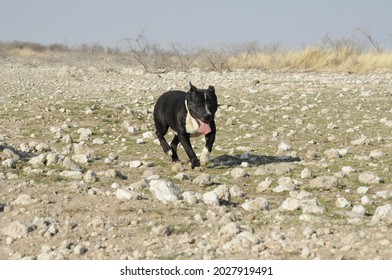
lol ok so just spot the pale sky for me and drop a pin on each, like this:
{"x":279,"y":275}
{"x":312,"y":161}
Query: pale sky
{"x":202,"y":23}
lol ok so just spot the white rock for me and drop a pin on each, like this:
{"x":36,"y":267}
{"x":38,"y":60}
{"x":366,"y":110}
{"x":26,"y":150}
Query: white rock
{"x":72,"y":174}
{"x":16,"y":230}
{"x":38,"y":160}
{"x":236,"y":191}
{"x":71,"y":165}
{"x":383,"y":215}
{"x":231,"y":228}
{"x":149,"y":135}
{"x":164,"y":191}
{"x":359,"y":210}
{"x":203,"y":179}
{"x":90,"y":177}
{"x":80,"y":249}
{"x":259,"y":203}
{"x":265,"y":185}
{"x":135,"y":164}
{"x":366,"y":200}
{"x":342,"y":202}
{"x":24,"y":199}
{"x":324,"y":182}
{"x":284,"y":147}
{"x":126,"y":194}
{"x":306,"y":173}
{"x":362,"y":190}
{"x":376,"y":154}
{"x":384,"y":194}
{"x":369,"y":178}
{"x":285,"y":184}
{"x":223,"y":192}
{"x":98,"y":141}
{"x":211,"y":198}
{"x":237,"y":172}
{"x":348,"y":170}
{"x":291,"y":204}
{"x":190,"y":197}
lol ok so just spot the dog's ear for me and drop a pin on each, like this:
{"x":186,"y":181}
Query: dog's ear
{"x":211,"y":89}
{"x":192,"y":87}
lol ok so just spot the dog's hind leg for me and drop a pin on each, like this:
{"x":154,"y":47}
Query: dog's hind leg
{"x":174,"y":145}
{"x":160,"y":132}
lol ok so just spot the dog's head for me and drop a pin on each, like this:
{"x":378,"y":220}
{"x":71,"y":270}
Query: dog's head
{"x":202,"y":105}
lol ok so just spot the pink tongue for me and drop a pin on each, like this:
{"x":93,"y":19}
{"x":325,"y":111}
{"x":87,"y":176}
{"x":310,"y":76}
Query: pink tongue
{"x":204,"y":128}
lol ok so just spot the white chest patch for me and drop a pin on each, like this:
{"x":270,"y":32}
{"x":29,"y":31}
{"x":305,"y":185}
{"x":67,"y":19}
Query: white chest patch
{"x":191,"y":125}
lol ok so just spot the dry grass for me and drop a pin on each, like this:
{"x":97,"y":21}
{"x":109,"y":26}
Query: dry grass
{"x":338,"y":57}
{"x":316,"y":59}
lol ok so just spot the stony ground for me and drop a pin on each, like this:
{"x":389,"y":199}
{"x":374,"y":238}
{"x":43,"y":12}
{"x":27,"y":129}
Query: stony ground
{"x":301,"y":168}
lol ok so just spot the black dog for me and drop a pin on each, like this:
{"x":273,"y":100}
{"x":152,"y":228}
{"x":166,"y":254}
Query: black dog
{"x":189,"y":114}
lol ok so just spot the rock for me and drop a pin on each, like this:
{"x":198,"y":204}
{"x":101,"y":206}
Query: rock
{"x":98,"y":141}
{"x":203,"y":180}
{"x":80,"y":249}
{"x":363,"y":140}
{"x":375,"y":154}
{"x":291,"y":204}
{"x":332,"y":153}
{"x":24,"y":199}
{"x":71,"y":165}
{"x":38,"y":160}
{"x":383,"y":215}
{"x":237,"y":172}
{"x":51,"y":158}
{"x":362,"y":190}
{"x":182,"y":176}
{"x":126,"y":194}
{"x":16,"y":230}
{"x":306,"y":173}
{"x":312,"y":206}
{"x":324,"y":182}
{"x":223,"y":193}
{"x":190,"y":197}
{"x":211,"y":198}
{"x":135,"y":164}
{"x":72,"y":174}
{"x":285,"y":184}
{"x":342,"y":202}
{"x":359,"y":210}
{"x":348,"y":170}
{"x":384,"y":194}
{"x":161,"y":230}
{"x":140,"y":185}
{"x":164,"y":191}
{"x":242,"y":242}
{"x":149,"y":135}
{"x":9,"y":163}
{"x":259,"y":203}
{"x":369,"y":178}
{"x":113,"y":173}
{"x":284,"y":147}
{"x":84,"y":134}
{"x":231,"y":228}
{"x":90,"y":177}
{"x":236,"y":191}
{"x":265,"y":185}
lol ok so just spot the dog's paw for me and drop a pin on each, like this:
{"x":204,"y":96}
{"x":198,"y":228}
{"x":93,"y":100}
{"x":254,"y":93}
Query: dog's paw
{"x":204,"y":157}
{"x":200,"y":169}
{"x":177,"y":167}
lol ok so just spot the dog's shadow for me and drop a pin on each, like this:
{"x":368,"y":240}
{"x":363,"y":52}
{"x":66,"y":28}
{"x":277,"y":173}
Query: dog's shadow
{"x":251,"y":159}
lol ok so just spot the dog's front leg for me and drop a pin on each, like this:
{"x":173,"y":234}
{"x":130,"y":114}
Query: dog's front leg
{"x":210,"y":139}
{"x":186,"y":143}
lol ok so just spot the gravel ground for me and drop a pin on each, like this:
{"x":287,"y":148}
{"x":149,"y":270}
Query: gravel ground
{"x":300,"y":168}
